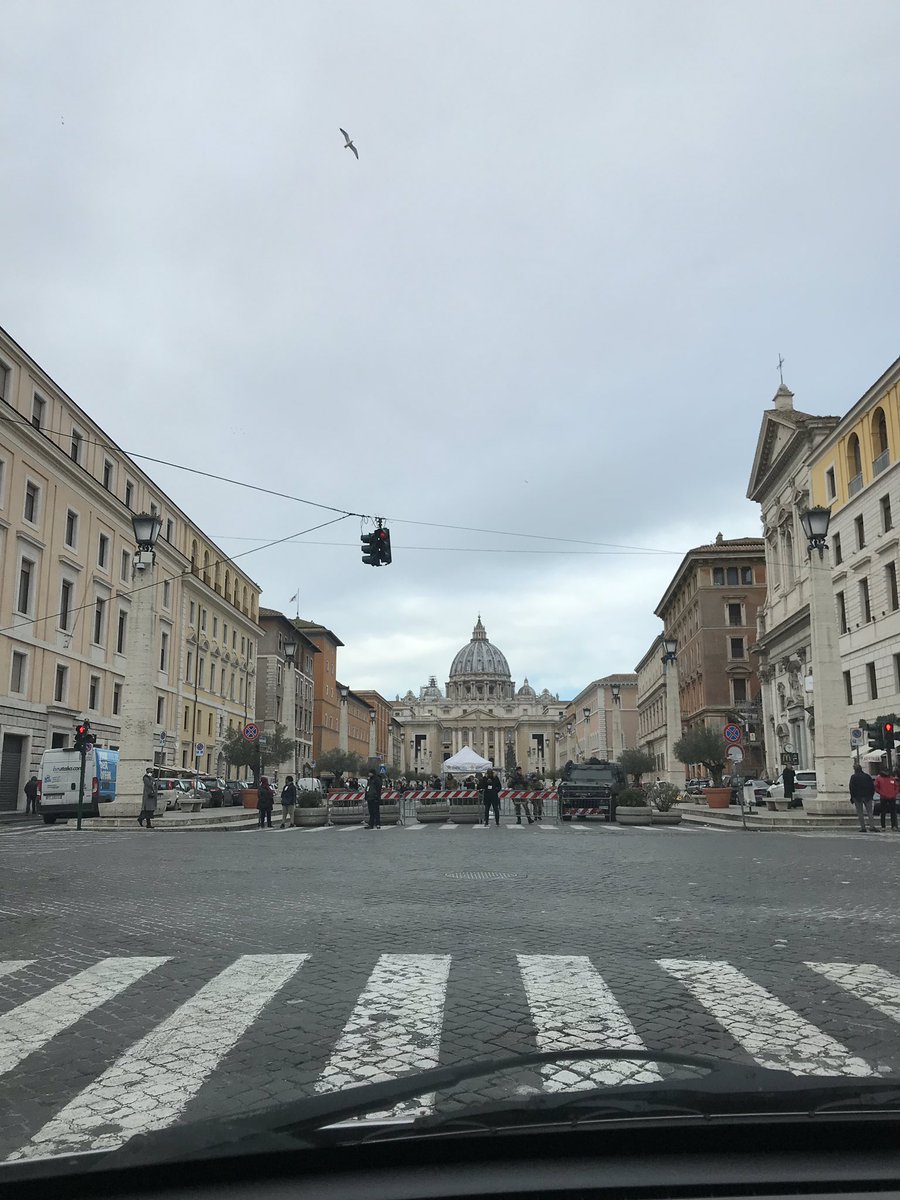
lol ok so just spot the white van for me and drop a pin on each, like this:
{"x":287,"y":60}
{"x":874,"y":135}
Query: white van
{"x":59,"y":778}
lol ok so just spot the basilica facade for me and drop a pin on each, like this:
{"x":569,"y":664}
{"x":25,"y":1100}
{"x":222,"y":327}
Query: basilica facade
{"x":480,"y":707}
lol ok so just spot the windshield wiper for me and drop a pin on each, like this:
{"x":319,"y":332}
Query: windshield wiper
{"x":725,"y":1088}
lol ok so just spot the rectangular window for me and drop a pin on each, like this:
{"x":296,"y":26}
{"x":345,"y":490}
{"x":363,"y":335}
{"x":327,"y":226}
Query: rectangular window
{"x":126,"y":563}
{"x":897,"y":672}
{"x":201,"y":672}
{"x":841,"y":612}
{"x":129,"y":493}
{"x":164,"y":651}
{"x":99,"y":607}
{"x":17,"y":672}
{"x":26,"y":577}
{"x":215,"y":627}
{"x":189,"y":668}
{"x":71,"y":528}
{"x":731,"y":576}
{"x":121,"y":631}
{"x":60,"y":683}
{"x":836,"y":548}
{"x":117,"y":698}
{"x":193,"y":612}
{"x":170,"y":529}
{"x":75,"y":448}
{"x":212,"y":677}
{"x":890,"y":575}
{"x":225,"y":633}
{"x":864,"y":602}
{"x":746,"y":574}
{"x":65,"y":603}
{"x":886,"y":521}
{"x":829,"y":483}
{"x":848,"y":688}
{"x":32,"y":498}
{"x":94,"y":692}
{"x":167,"y":594}
{"x":4,"y":381}
{"x":107,"y":474}
{"x":860,"y":532}
{"x":739,"y":690}
{"x":187,"y":716}
{"x":736,"y":647}
{"x":250,"y":650}
{"x":718,"y":577}
{"x":209,"y":725}
{"x":203,"y":619}
{"x":234,"y":639}
{"x":231,"y":688}
{"x":102,"y":550}
{"x":154,"y":510}
{"x":873,"y":682}
{"x":38,"y":408}
{"x":160,"y":710}
{"x":735,"y":615}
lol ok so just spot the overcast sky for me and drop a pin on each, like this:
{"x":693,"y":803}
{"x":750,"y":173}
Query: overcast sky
{"x":549,"y":298}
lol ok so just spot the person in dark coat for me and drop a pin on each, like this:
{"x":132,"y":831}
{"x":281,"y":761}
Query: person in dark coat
{"x":31,"y":795}
{"x":787,"y":778}
{"x":491,"y":787}
{"x":265,"y":802}
{"x":862,"y":790}
{"x":148,"y":799}
{"x":288,"y":801}
{"x":373,"y":800}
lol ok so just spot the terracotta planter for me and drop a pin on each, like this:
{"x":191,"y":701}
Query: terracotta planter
{"x":466,"y":814}
{"x":250,"y":798}
{"x":311,"y":816}
{"x":347,"y":814}
{"x":628,"y":815}
{"x":665,"y":818}
{"x":718,"y":797}
{"x":432,"y":814}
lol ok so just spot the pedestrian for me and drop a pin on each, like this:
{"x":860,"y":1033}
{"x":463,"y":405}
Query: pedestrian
{"x":491,"y":788}
{"x":288,"y":801}
{"x":148,"y":799}
{"x":862,"y":789}
{"x":787,"y":778}
{"x":373,"y":799}
{"x":265,"y":802}
{"x":886,"y":786}
{"x":31,"y":795}
{"x":517,"y":784}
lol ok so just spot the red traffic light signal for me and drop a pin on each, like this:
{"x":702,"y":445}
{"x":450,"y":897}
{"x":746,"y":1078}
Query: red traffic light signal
{"x":383,"y":546}
{"x":888,"y":730}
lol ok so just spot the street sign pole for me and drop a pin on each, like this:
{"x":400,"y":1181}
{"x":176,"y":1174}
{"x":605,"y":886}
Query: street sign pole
{"x":81,"y":787}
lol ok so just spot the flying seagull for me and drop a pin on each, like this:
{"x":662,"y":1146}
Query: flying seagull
{"x":348,"y":144}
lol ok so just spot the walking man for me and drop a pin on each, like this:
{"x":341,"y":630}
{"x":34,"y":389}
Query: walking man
{"x":862,"y":789}
{"x":265,"y":802}
{"x":148,"y":799}
{"x":787,"y":778}
{"x":373,"y":799}
{"x":887,"y":786}
{"x":517,"y":784}
{"x":492,"y":797}
{"x":288,"y":801}
{"x":31,"y":795}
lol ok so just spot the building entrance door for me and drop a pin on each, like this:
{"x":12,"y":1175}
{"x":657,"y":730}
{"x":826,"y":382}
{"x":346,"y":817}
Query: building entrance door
{"x":11,"y":771}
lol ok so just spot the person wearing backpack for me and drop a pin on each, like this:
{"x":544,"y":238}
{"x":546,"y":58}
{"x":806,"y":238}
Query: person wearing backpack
{"x":887,"y":786}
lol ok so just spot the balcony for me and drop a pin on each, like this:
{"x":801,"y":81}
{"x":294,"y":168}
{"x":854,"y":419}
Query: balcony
{"x":855,"y":484}
{"x":881,"y":462}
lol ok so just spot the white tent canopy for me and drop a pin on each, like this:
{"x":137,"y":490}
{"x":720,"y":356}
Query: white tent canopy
{"x":464,"y":762}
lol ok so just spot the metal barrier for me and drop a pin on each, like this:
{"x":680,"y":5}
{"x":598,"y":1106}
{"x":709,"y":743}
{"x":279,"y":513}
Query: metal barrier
{"x":408,"y":800}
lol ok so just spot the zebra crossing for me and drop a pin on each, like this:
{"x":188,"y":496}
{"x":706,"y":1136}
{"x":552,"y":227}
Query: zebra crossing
{"x":599,"y":827}
{"x":395,"y":1026}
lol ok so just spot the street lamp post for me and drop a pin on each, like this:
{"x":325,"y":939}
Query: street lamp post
{"x":345,"y":718}
{"x":615,"y":692}
{"x":402,"y":737}
{"x":373,"y":717}
{"x":290,"y":687}
{"x":674,"y":771}
{"x":139,"y":692}
{"x":832,"y":737}
{"x":586,"y":713}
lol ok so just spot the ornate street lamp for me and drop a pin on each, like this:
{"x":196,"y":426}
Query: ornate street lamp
{"x":815,"y":523}
{"x":146,"y":528}
{"x":290,"y":649}
{"x":670,"y":648}
{"x":616,"y":692}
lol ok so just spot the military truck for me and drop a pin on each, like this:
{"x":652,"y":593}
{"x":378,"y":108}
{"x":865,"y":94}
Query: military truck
{"x":588,"y":791}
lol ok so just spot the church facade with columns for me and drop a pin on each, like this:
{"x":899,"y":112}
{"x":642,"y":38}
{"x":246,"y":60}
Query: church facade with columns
{"x":479,"y":707}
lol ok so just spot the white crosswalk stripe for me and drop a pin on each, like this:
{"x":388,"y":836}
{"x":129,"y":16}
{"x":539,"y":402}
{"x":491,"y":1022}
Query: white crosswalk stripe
{"x":153,"y":1081}
{"x":572,"y":1008}
{"x":395,"y":1027}
{"x":772,"y":1033}
{"x":35,"y":1022}
{"x":411,"y":988}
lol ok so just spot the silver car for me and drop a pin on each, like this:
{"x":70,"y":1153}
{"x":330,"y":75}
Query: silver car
{"x":804,"y":786}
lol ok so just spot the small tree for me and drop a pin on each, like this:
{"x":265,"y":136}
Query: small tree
{"x":239,"y":752}
{"x":335,"y":762}
{"x":637,"y":763}
{"x":706,"y":746}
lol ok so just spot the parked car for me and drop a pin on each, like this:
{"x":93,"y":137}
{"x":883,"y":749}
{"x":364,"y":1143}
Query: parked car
{"x":693,"y":787}
{"x":760,"y":791}
{"x":233,"y":789}
{"x":804,"y":786}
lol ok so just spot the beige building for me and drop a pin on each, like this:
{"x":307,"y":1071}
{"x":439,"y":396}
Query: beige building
{"x":67,"y":495}
{"x":588,"y":726}
{"x":651,"y":702}
{"x":284,"y":686}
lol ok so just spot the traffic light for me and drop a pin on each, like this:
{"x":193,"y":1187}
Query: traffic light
{"x":876,"y":737}
{"x":84,"y":739}
{"x":383,"y":546}
{"x":887,"y":735}
{"x":369,"y":549}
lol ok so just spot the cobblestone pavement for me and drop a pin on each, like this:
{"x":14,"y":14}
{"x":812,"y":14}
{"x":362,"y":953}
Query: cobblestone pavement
{"x":149,"y":979}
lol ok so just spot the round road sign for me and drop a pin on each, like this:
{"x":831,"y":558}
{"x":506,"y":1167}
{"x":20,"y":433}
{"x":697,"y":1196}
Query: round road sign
{"x":856,"y":736}
{"x":251,"y":732}
{"x":736,"y":754}
{"x":732,"y":733}
{"x":199,"y":748}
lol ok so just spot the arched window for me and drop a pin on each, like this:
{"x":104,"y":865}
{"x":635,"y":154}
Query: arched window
{"x":194,"y":557}
{"x":228,"y":586}
{"x":253,"y":607}
{"x":218,"y":582}
{"x":879,"y":432}
{"x":788,"y":548}
{"x":206,"y":567}
{"x":854,"y":457}
{"x":244,"y":603}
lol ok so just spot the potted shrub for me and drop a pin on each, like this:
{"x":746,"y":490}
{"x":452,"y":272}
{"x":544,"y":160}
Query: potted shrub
{"x":707,"y":746}
{"x":313,"y":810}
{"x":632,"y":808}
{"x":662,"y":797}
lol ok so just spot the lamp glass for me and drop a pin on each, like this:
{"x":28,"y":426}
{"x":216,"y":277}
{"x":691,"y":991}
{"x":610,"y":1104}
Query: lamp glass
{"x":815,"y":522}
{"x":587,"y":713}
{"x":290,"y":649}
{"x":670,"y":645}
{"x":614,"y":690}
{"x":146,"y":528}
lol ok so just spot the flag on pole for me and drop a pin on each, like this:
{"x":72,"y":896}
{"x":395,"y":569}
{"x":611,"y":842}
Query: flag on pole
{"x":296,"y":596}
